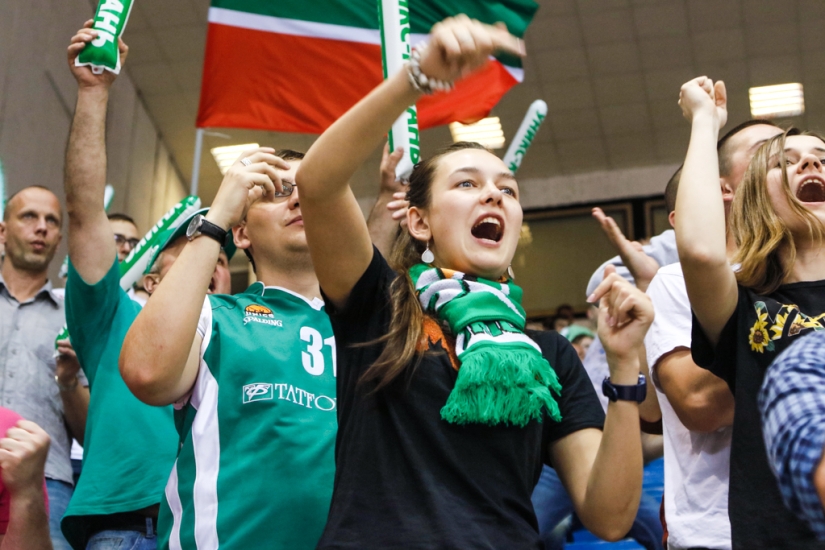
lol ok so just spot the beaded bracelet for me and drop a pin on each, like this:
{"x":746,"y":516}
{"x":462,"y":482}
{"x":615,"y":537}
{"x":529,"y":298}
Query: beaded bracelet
{"x":419,"y":80}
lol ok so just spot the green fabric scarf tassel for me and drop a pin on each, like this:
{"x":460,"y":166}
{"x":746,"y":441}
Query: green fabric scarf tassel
{"x":498,"y":385}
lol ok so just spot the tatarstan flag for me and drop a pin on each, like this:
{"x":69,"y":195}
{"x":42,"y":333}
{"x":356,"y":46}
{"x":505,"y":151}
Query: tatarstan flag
{"x":298,"y":65}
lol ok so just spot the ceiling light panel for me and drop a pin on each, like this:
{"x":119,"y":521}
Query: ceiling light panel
{"x":486,"y":131}
{"x":226,"y":156}
{"x":781,"y":100}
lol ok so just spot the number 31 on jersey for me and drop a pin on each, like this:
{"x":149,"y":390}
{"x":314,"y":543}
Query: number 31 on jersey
{"x":313,"y":357}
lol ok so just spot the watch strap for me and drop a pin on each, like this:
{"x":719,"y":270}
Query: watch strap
{"x":211,"y":230}
{"x":615,"y":392}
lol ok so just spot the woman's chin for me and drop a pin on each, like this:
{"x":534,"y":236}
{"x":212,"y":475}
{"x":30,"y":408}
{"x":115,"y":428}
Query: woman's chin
{"x":492,"y":272}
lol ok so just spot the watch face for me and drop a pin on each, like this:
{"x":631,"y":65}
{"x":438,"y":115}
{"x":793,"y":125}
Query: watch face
{"x":609,"y":390}
{"x":194,"y":226}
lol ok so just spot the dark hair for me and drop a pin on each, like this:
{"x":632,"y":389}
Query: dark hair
{"x":289,"y":154}
{"x":407,"y":317}
{"x":671,"y":189}
{"x":285,"y":154}
{"x":722,"y":145}
{"x":13,"y":195}
{"x":118,"y":216}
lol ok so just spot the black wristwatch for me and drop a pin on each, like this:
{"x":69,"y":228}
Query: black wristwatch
{"x":635,"y":393}
{"x":201,"y":226}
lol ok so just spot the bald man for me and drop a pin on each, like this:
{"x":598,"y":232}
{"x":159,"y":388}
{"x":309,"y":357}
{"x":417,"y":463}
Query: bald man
{"x":31,"y":315}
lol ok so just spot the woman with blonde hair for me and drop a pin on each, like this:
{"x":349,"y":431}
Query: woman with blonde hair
{"x":744,"y":317}
{"x":447,"y":407}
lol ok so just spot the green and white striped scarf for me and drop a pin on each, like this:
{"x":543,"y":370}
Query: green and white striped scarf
{"x":503,"y":377}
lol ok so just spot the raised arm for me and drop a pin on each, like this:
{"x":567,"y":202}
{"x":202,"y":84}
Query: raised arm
{"x":700,"y":213}
{"x":390,"y":208}
{"x":602,"y":471}
{"x":337,"y":234}
{"x":91,"y":241}
{"x":641,"y":266}
{"x":160,"y":357}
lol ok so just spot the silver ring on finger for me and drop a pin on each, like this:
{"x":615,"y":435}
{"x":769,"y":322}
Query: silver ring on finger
{"x":246,"y":161}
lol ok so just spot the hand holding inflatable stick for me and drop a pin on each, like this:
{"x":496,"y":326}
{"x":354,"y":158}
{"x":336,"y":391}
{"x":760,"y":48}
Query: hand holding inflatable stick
{"x":109,"y":22}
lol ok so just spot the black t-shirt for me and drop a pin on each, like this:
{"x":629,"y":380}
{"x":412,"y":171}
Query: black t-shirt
{"x":404,"y":477}
{"x":759,"y":329}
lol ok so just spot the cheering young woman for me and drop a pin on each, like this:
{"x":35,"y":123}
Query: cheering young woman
{"x":744,"y":319}
{"x":447,"y":407}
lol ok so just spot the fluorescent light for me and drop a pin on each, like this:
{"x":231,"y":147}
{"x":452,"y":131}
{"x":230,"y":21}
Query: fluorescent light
{"x":226,"y":156}
{"x":486,"y":131}
{"x":781,"y":100}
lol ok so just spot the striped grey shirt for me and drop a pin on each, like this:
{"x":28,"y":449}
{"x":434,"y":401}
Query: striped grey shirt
{"x":27,"y":368}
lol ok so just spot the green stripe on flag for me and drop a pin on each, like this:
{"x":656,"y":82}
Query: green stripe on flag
{"x":516,"y":14}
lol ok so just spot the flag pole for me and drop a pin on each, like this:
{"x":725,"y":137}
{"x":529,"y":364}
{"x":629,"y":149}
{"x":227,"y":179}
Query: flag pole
{"x":196,"y":163}
{"x":525,"y":134}
{"x":394,"y":20}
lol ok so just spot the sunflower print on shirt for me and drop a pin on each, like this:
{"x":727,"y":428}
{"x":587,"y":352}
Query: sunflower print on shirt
{"x":787,"y":322}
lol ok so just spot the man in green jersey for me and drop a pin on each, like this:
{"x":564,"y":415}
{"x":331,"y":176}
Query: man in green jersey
{"x":130,"y":447}
{"x":252,"y":375}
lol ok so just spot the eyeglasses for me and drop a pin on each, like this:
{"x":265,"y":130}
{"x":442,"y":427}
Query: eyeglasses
{"x":120,"y":240}
{"x":288,"y":188}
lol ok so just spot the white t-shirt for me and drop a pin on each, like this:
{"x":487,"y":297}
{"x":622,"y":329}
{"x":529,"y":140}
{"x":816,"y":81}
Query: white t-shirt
{"x":595,"y":363}
{"x":697,"y":465}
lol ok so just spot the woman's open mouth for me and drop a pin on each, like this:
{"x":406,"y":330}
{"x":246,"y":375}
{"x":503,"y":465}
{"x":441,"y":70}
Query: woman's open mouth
{"x":488,"y":228}
{"x":811,"y":190}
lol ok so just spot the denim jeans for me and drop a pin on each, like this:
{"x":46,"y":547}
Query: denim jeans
{"x":553,"y":506}
{"x":60,"y":493}
{"x":124,"y":540}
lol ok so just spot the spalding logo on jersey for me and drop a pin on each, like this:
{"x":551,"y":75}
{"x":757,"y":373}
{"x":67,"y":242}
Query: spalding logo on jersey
{"x":261,"y":314}
{"x":256,"y":309}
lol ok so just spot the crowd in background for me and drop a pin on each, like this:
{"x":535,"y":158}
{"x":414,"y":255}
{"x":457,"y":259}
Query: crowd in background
{"x":379,"y":386}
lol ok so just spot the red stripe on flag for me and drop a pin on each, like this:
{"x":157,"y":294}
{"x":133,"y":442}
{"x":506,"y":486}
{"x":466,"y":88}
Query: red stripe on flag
{"x":471,"y":99}
{"x":266,"y":81}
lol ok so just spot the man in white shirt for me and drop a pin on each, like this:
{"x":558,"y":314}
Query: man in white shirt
{"x":697,"y":460}
{"x":697,"y":407}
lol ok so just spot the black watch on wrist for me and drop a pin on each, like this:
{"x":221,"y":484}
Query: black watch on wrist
{"x":201,"y":226}
{"x":615,"y":392}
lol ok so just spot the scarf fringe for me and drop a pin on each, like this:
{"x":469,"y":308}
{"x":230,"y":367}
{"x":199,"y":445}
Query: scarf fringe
{"x":501,"y":385}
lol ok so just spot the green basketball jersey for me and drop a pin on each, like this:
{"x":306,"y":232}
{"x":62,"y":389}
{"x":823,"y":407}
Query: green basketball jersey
{"x":255,"y":467}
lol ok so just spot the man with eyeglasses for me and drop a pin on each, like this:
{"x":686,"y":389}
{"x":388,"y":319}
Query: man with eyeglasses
{"x":126,"y":234}
{"x":127,"y":238}
{"x":31,"y":315}
{"x":252,"y":376}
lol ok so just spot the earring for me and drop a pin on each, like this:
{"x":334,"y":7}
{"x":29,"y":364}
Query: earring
{"x":427,"y":256}
{"x":510,"y":273}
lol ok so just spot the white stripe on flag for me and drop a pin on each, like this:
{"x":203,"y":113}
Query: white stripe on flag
{"x":312,"y":29}
{"x":173,"y":499}
{"x":207,"y":449}
{"x":294,"y":27}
